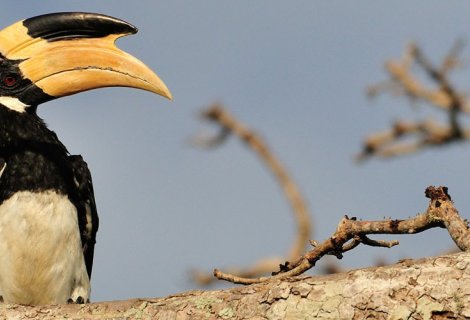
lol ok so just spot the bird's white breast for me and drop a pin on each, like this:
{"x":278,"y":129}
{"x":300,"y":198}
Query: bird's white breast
{"x":41,"y":259}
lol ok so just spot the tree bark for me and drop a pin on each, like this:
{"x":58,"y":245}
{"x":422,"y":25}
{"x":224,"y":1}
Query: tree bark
{"x":431,"y":288}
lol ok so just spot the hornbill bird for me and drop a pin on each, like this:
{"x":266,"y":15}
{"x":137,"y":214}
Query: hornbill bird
{"x":48,"y":218}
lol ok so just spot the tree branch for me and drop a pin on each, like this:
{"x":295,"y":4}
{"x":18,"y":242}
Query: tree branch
{"x":431,"y":288}
{"x":440,"y":213}
{"x":229,"y":124}
{"x":445,"y":97}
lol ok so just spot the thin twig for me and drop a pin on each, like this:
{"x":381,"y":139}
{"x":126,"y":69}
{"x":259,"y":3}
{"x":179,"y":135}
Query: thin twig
{"x":452,"y":60}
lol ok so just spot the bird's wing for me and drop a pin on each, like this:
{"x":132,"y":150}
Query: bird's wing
{"x":86,"y":208}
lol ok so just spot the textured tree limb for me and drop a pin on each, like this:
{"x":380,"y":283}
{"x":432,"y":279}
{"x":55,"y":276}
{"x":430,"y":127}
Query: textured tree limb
{"x":431,"y":288}
{"x":350,"y":232}
{"x":444,"y":96}
{"x":230,"y":125}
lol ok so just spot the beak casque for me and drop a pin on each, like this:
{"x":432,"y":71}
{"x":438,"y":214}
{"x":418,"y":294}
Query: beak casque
{"x":67,"y":53}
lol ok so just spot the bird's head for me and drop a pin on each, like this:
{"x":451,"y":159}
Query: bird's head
{"x":59,"y":54}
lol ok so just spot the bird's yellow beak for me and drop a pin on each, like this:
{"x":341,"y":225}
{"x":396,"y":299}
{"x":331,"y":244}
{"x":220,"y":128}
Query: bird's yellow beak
{"x":67,"y":53}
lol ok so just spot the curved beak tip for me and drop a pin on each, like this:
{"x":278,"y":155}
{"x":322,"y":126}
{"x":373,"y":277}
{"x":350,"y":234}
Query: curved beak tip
{"x":168,"y":95}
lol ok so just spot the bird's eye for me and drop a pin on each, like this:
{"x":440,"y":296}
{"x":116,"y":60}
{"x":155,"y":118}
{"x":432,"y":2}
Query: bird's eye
{"x":10,"y":80}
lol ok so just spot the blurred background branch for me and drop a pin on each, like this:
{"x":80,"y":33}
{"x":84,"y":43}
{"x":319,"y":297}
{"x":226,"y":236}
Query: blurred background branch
{"x":405,"y":136}
{"x":230,"y":125}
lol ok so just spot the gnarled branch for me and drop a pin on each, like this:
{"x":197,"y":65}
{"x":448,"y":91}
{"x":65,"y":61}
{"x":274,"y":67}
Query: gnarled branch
{"x":350,"y":232}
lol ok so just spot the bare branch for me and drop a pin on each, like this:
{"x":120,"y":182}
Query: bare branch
{"x":230,"y":124}
{"x":440,"y":213}
{"x":387,"y":143}
{"x":445,"y":97}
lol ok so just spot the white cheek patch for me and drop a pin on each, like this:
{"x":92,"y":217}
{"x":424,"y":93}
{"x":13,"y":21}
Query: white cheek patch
{"x":14,"y":104}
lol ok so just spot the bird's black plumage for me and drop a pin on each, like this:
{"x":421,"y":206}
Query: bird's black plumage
{"x":35,"y":160}
{"x":84,"y":200}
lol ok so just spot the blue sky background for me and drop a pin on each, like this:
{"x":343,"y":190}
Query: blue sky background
{"x":294,"y":70}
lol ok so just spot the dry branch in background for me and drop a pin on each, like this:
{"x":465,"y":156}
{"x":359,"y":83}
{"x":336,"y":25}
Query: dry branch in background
{"x":444,"y":96}
{"x":351,"y":232}
{"x":230,"y":125}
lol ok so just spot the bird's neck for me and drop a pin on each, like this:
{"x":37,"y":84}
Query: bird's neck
{"x":31,"y":156}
